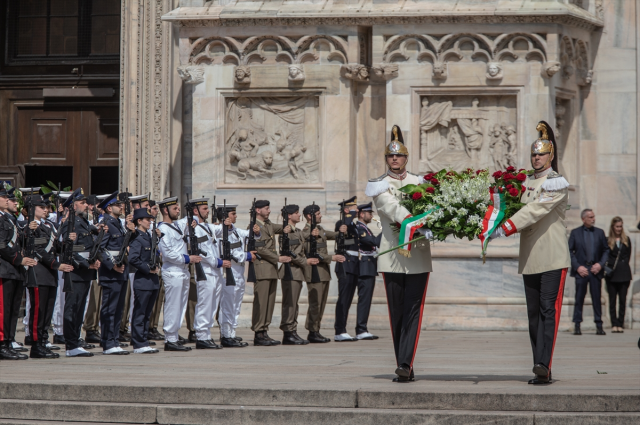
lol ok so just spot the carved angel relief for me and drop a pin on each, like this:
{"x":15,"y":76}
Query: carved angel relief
{"x":458,"y":132}
{"x":191,"y":74}
{"x":272,"y":140}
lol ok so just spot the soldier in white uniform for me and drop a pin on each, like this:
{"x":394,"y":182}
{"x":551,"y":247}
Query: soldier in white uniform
{"x":405,"y":278}
{"x":544,"y":250}
{"x":231,"y":299}
{"x":175,"y":271}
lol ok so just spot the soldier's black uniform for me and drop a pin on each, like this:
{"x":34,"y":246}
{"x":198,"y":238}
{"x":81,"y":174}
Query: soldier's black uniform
{"x":347,"y":271}
{"x":368,"y":270}
{"x":114,"y":284}
{"x":11,"y":281}
{"x":80,"y":277}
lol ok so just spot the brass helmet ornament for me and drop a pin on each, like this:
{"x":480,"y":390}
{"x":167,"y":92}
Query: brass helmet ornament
{"x":396,"y":147}
{"x":546,"y":143}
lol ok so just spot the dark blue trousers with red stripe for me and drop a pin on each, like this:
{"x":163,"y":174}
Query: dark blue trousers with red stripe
{"x":543,"y":292}
{"x":11,"y":292}
{"x":405,"y":298}
{"x":42,"y":300}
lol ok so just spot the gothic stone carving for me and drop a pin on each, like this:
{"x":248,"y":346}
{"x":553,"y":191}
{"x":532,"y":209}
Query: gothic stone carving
{"x":191,"y":74}
{"x":494,"y":71}
{"x":355,"y":72}
{"x":462,"y":131}
{"x":242,"y":75}
{"x":296,"y":73}
{"x":272,"y":140}
{"x":550,"y":68}
{"x":385,"y":71}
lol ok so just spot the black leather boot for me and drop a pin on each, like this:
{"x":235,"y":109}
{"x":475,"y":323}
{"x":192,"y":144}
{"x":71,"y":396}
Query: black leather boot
{"x":599,"y":330}
{"x":316,"y":338}
{"x":299,"y":338}
{"x":576,"y":330}
{"x":175,"y":346}
{"x":271,"y":340}
{"x":260,"y":340}
{"x":290,"y":339}
{"x":39,"y":351}
{"x":7,"y":353}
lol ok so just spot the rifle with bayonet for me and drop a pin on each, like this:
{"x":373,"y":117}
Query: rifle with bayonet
{"x":226,"y":247}
{"x":193,"y":246}
{"x":251,"y":241}
{"x":285,"y":245}
{"x":30,"y":243}
{"x":313,"y":248}
{"x":121,"y":258}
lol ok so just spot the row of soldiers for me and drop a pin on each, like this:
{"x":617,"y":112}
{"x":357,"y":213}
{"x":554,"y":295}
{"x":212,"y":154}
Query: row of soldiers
{"x":135,"y":266}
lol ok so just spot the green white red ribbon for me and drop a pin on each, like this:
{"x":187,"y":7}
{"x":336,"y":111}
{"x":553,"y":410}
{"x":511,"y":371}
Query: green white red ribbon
{"x":492,"y":218}
{"x":408,"y":229}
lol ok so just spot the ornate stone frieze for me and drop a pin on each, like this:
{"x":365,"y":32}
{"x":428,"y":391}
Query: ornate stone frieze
{"x":417,"y":48}
{"x":574,"y":60}
{"x":355,"y":72}
{"x":385,"y":71}
{"x":461,"y":131}
{"x":268,"y":49}
{"x":191,"y":74}
{"x":272,"y":140}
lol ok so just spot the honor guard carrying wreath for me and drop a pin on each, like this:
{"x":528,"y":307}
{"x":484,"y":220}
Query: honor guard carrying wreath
{"x":405,"y":277}
{"x":544,"y":251}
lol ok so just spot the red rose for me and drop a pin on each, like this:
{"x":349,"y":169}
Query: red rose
{"x":510,"y":169}
{"x":508,"y":176}
{"x":521,"y":177}
{"x":478,"y":172}
{"x":451,"y":173}
{"x":429,"y":176}
{"x":497,"y":174}
{"x":509,"y":186}
{"x":435,"y":182}
{"x":416,"y":196}
{"x":523,"y":189}
{"x":430,"y":190}
{"x":513,"y":192}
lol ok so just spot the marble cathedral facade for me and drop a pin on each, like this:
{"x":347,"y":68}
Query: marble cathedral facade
{"x":273,"y":99}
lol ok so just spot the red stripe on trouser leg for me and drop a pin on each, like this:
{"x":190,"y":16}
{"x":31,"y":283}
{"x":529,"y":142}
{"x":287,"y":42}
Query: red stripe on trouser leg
{"x":36,"y":307}
{"x":1,"y":309}
{"x":384,"y":280}
{"x":558,"y":311}
{"x":424,"y":295}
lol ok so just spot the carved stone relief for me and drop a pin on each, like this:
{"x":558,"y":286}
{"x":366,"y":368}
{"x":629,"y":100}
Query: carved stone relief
{"x":463,"y":47}
{"x":355,"y":72}
{"x":268,"y":50}
{"x":296,"y":73}
{"x":191,"y":74}
{"x":550,"y":68}
{"x":494,"y":71}
{"x":272,"y":140}
{"x":242,"y":74}
{"x":462,"y":131}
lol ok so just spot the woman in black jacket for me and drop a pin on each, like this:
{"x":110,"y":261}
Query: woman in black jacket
{"x":619,"y":279}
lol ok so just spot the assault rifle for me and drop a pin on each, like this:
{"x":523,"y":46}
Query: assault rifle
{"x":226,"y":247}
{"x":341,"y":241}
{"x":155,"y":240}
{"x":313,"y":249}
{"x":192,"y":247}
{"x":57,"y":203}
{"x":68,"y":248}
{"x":251,"y":241}
{"x":121,"y":258}
{"x":95,"y":251}
{"x":30,"y":242}
{"x":285,"y":245}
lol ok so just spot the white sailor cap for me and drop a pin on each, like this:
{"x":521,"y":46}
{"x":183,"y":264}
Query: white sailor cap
{"x":138,"y":199}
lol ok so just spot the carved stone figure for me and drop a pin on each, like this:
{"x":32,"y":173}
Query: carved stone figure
{"x":550,"y":68}
{"x":499,"y":149}
{"x":475,"y":134}
{"x":585,"y":77}
{"x":512,"y":140}
{"x":385,"y":71}
{"x":242,"y":74}
{"x":431,"y":116}
{"x":272,"y":140}
{"x":355,"y":71}
{"x":261,"y":164}
{"x":296,"y":73}
{"x":191,"y":74}
{"x":440,"y":70}
{"x":494,"y":71}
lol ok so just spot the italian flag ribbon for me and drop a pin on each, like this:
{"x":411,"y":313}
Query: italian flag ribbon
{"x":492,"y":218}
{"x":408,"y":228}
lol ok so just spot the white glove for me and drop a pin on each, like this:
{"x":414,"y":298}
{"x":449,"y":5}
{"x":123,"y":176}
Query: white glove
{"x":498,"y":233}
{"x":426,"y":233}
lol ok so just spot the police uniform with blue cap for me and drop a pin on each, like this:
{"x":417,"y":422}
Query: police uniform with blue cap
{"x":81,"y":276}
{"x":11,"y":278}
{"x":113,"y":283}
{"x":146,"y":285}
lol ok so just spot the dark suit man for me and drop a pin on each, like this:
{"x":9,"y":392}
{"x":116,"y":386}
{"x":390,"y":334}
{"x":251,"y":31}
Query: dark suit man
{"x":589,"y":251}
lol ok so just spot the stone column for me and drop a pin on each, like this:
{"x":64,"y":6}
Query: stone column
{"x":147,"y":99}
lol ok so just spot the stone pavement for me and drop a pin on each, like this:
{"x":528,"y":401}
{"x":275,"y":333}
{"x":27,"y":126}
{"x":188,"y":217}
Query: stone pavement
{"x":456,"y":372}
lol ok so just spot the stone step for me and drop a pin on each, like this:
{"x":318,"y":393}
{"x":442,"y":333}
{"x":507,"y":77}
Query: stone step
{"x":137,"y":397}
{"x":41,"y":412}
{"x":78,"y":411}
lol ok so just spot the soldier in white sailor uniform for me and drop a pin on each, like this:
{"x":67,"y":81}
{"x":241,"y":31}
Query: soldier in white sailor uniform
{"x":209,"y":290}
{"x":544,"y":250}
{"x":175,"y":271}
{"x":231,"y":299}
{"x":405,"y":278}
{"x":113,"y":278}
